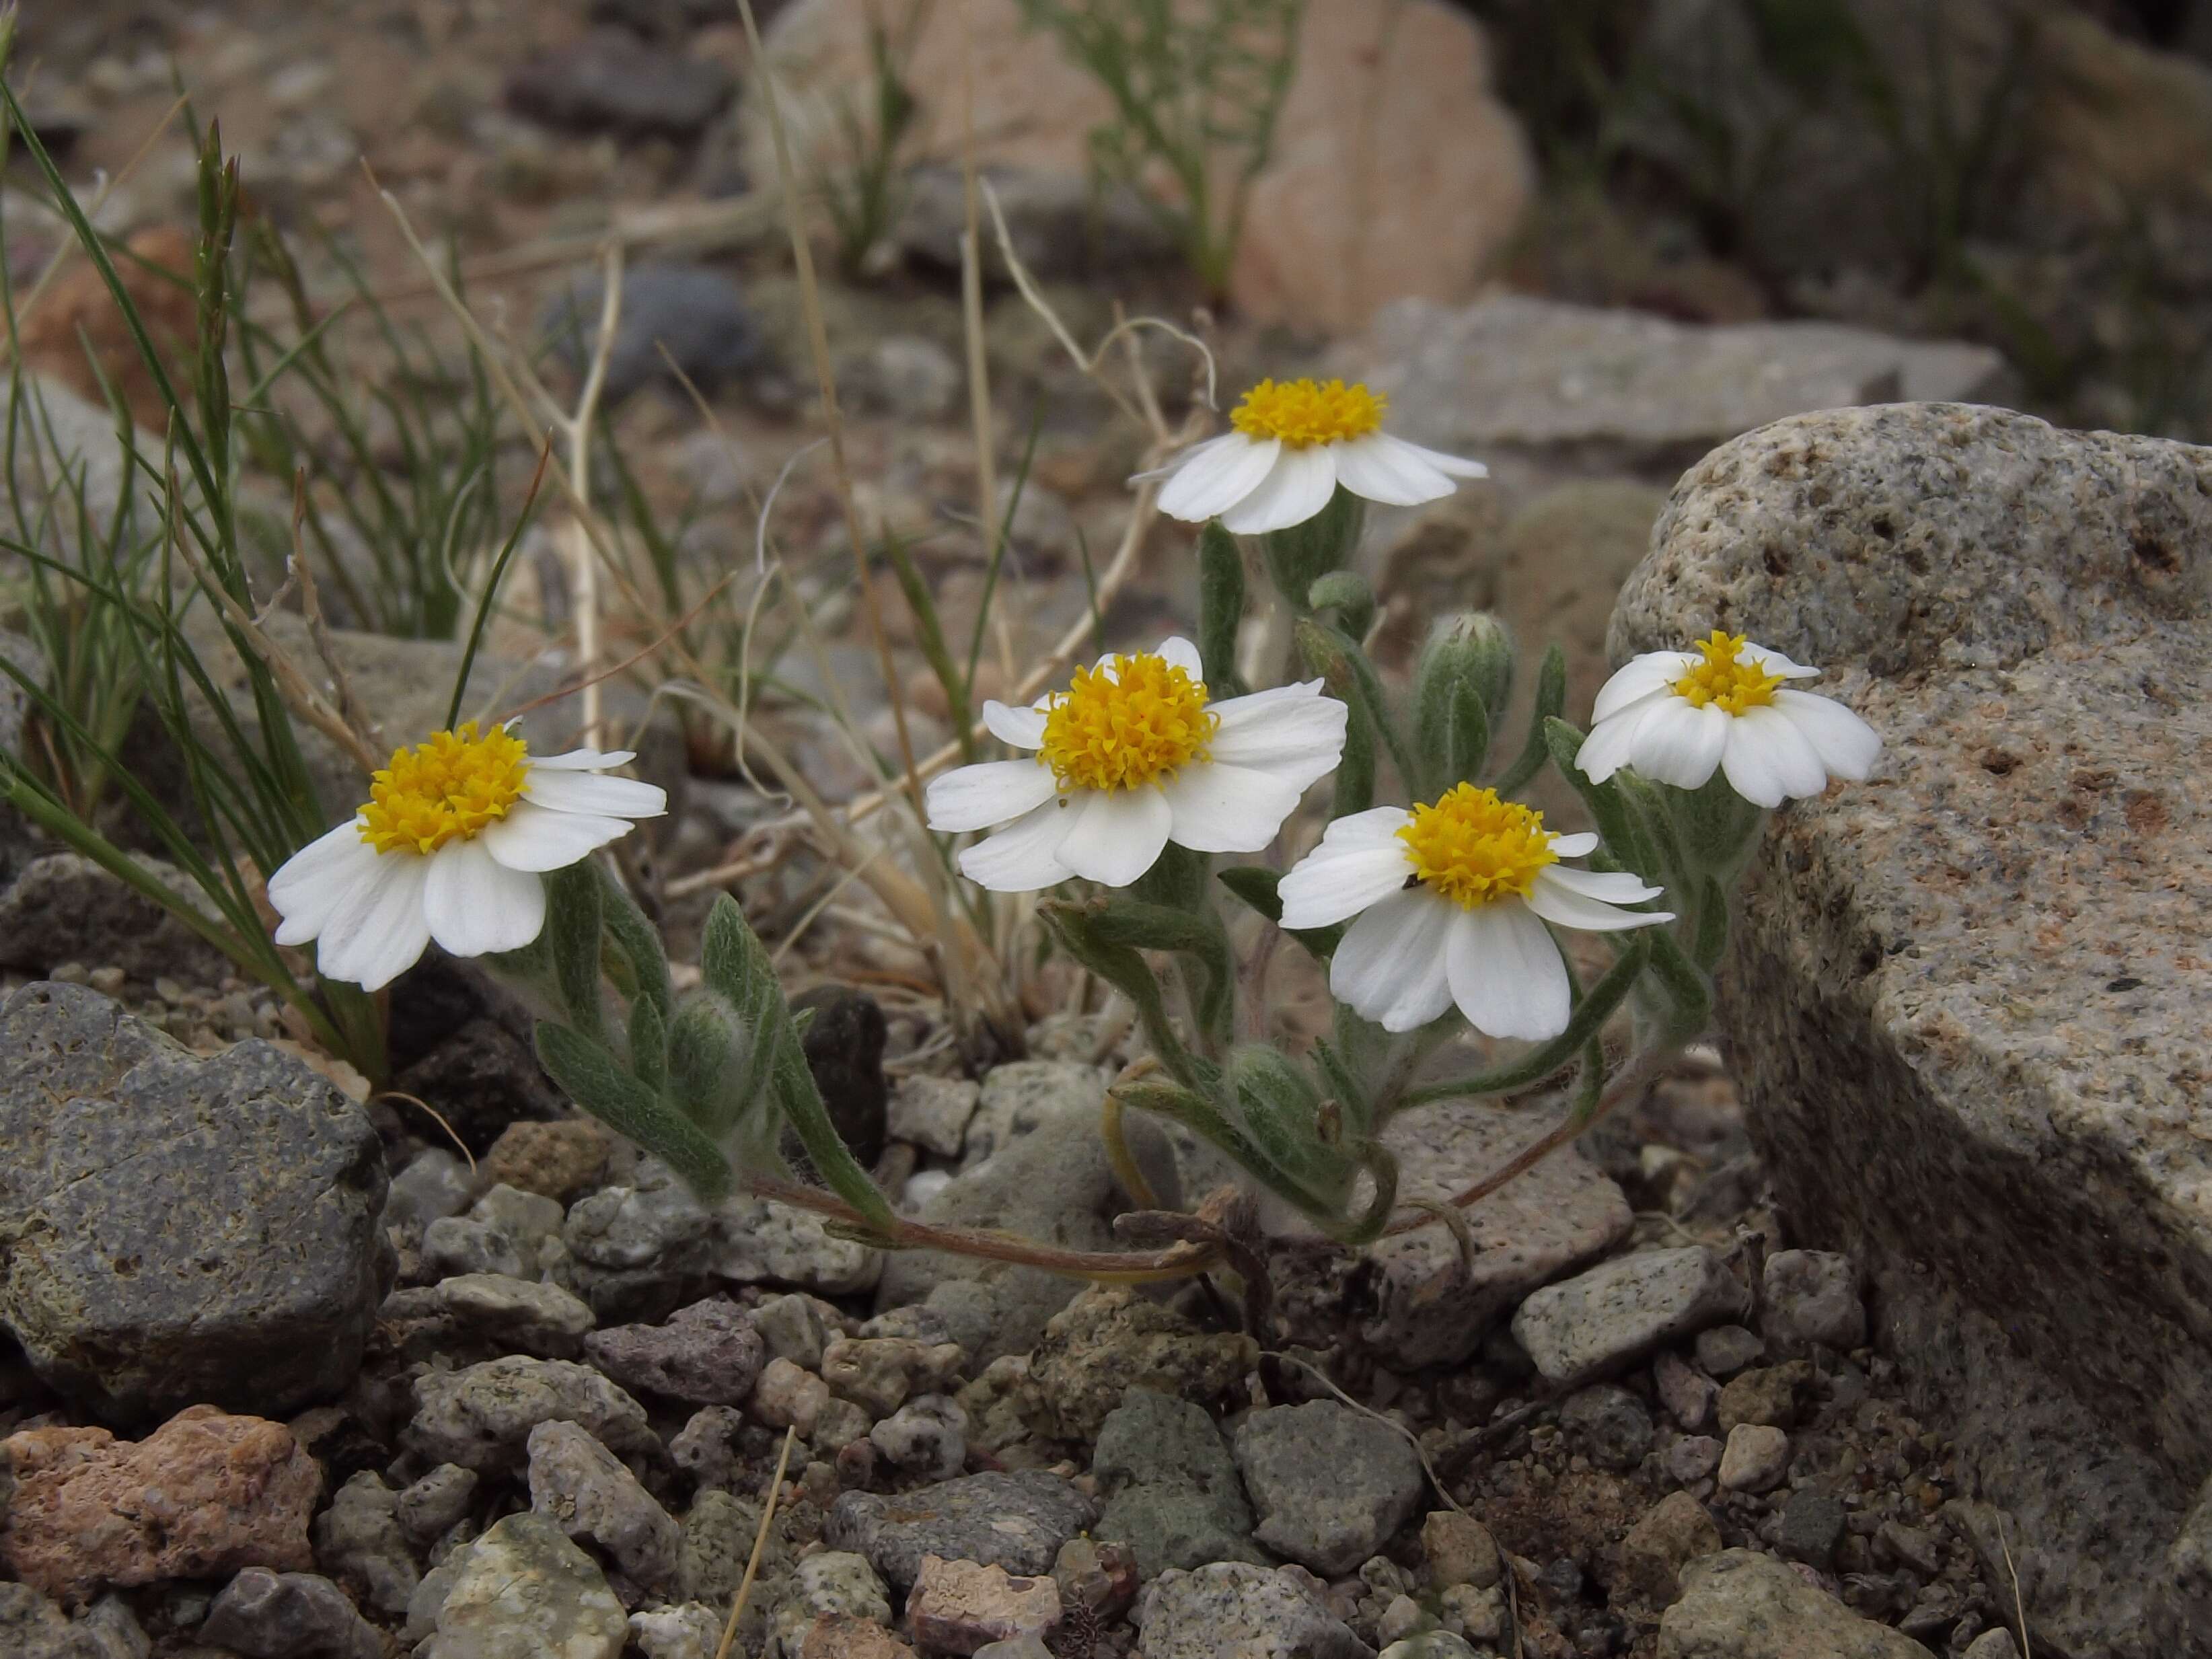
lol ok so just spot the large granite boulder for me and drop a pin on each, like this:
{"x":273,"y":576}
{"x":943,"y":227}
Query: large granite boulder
{"x":176,"y":1230}
{"x":1968,"y":998}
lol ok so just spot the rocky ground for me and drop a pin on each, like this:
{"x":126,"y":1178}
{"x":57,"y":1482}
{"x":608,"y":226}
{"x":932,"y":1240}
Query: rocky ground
{"x":289,"y":1374}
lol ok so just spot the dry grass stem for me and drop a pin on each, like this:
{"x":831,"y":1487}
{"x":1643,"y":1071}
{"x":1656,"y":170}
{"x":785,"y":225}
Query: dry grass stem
{"x":760,"y":1545}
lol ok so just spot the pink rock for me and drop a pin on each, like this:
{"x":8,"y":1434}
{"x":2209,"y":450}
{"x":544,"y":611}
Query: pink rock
{"x":841,"y":1636}
{"x":201,"y":1497}
{"x":1687,"y":1395}
{"x":788,"y":1396}
{"x":956,"y":1606}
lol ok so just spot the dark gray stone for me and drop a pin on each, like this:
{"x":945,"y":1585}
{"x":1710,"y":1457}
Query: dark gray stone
{"x":434,"y":1185}
{"x":707,"y":1354}
{"x":1330,"y":1485}
{"x":1998,"y":1128}
{"x":288,"y":1615}
{"x":358,"y":1539}
{"x":695,"y":311}
{"x":177,"y":1230}
{"x":1608,"y":1423}
{"x":1015,"y":1520}
{"x":1170,"y":1486}
{"x":63,"y":908}
{"x":1812,"y":1525}
{"x":457,"y":1244}
{"x":610,"y":80}
{"x":428,"y":1509}
{"x":1812,"y":1301}
{"x":844,"y":1046}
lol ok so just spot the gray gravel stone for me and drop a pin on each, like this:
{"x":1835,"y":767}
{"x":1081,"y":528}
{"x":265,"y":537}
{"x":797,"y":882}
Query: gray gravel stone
{"x":524,"y":1591}
{"x":697,"y":312}
{"x":528,"y":1218}
{"x":1236,"y":1608}
{"x":1693,"y":1458}
{"x":1053,"y":1182}
{"x":1170,"y":1486}
{"x":1727,"y":1349}
{"x":1605,"y":1319}
{"x":707,"y":1354}
{"x":435,"y":1184}
{"x":927,"y":1437}
{"x":290,"y":1615}
{"x":480,"y":1417}
{"x":175,"y":1230}
{"x":1609,"y":1424}
{"x":583,"y":1487}
{"x":428,"y":1508}
{"x":690,"y":1631}
{"x":640,"y":1225}
{"x":520,"y":1314}
{"x":933,"y":1112}
{"x":460,"y":1244}
{"x":834,"y":1582}
{"x":1754,"y":1458}
{"x":1021,"y":1097}
{"x":1812,"y":1525}
{"x":1329,"y":1485}
{"x":758,"y":1241}
{"x":1812,"y":1301}
{"x":1742,"y":1605}
{"x":1016,"y":1521}
{"x":1998,"y":1130}
{"x":1431,"y":1644}
{"x":359,"y":1539}
{"x":792,"y":1328}
{"x":32,"y":1627}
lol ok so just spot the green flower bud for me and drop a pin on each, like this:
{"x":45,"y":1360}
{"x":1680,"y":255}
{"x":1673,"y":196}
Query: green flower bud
{"x":708,"y":1073}
{"x":1460,"y":689}
{"x":1474,"y":646}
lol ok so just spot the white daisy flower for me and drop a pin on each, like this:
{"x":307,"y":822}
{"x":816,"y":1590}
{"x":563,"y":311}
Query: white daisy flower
{"x":450,"y":847}
{"x":1451,"y":901}
{"x":1676,"y":715}
{"x":1131,"y":756}
{"x":1295,"y":442}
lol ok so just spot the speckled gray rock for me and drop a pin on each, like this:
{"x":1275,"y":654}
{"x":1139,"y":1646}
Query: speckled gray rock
{"x":707,"y":1354}
{"x":521,"y":1314}
{"x":1019,"y":1097}
{"x":1521,"y":370}
{"x":1417,"y":1301}
{"x":435,"y":1184}
{"x":691,"y":1630}
{"x":1811,"y":1301}
{"x":1015,"y":1520}
{"x":1054,"y":1182}
{"x":480,"y":1417}
{"x":834,"y":1582}
{"x":1431,"y":1644}
{"x":62,"y":907}
{"x":1170,"y":1486}
{"x":1330,"y":1485}
{"x":1996,"y":1106}
{"x":1740,"y":1604}
{"x":698,"y":313}
{"x":758,"y":1241}
{"x":457,"y":1244}
{"x":652,"y":1222}
{"x":1111,"y":1341}
{"x":428,"y":1507}
{"x":1234,"y":1606}
{"x":32,"y":1627}
{"x":585,"y":1489}
{"x":524,"y":1591}
{"x":288,"y":1615}
{"x":933,"y":1112}
{"x":174,"y":1230}
{"x":1609,"y":1424}
{"x":1605,"y":1320}
{"x":359,"y":1539}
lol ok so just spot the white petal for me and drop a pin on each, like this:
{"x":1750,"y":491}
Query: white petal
{"x":1451,"y":465}
{"x":1292,"y":732}
{"x":1613,"y":740}
{"x":1182,"y":458}
{"x":1296,"y":488}
{"x":991,"y":792}
{"x":1575,"y":847}
{"x":533,"y":837}
{"x":592,"y":792}
{"x":1328,"y":884}
{"x":1218,"y":476}
{"x":1117,"y":835}
{"x":1378,"y":826}
{"x":1227,"y":809}
{"x":1772,"y":747}
{"x":474,"y":904}
{"x":1506,"y":975}
{"x":583,"y":760}
{"x":1559,"y":902}
{"x":1384,"y":469}
{"x":1390,"y":964}
{"x":1680,"y":745}
{"x":1636,"y":679}
{"x":1773,"y":662}
{"x":1020,"y":858}
{"x":1179,"y":653}
{"x":1613,"y":886}
{"x":379,"y":932}
{"x":1023,"y":728}
{"x":1846,"y":744}
{"x":315,"y":880}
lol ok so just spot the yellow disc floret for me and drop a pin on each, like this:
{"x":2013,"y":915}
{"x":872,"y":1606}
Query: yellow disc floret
{"x":1126,"y":723}
{"x":1720,"y":679}
{"x":1473,"y":848}
{"x":1303,"y":412}
{"x":445,"y":789}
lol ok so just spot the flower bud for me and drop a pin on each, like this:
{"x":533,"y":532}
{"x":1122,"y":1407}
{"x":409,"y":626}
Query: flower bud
{"x":707,"y":1072}
{"x":1476,"y":647}
{"x":1460,"y":689}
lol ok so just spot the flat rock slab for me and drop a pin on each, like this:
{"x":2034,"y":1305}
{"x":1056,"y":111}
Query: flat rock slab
{"x":1740,"y":1604}
{"x":176,"y":1230}
{"x":1414,"y":1298}
{"x":1015,"y":1520}
{"x":1968,"y":998}
{"x":1526,"y":372}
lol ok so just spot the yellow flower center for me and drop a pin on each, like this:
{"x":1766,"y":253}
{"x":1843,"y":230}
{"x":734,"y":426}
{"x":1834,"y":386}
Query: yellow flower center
{"x":1720,"y":679}
{"x":1303,"y":412}
{"x":446,"y":789}
{"x":1126,"y":723}
{"x":1473,"y":848}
